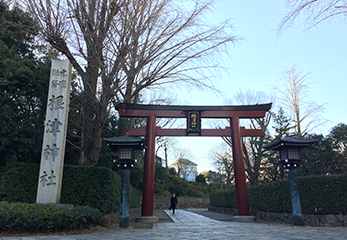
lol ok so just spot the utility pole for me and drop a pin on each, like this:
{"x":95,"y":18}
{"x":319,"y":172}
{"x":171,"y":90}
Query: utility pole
{"x":165,"y":149}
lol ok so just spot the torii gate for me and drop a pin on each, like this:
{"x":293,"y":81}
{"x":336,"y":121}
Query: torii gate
{"x":193,"y":115}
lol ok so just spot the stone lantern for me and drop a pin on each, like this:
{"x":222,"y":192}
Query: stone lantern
{"x":289,"y":150}
{"x":125,"y":146}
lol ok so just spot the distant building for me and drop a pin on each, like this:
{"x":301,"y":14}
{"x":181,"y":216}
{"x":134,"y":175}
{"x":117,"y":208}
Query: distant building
{"x":186,"y":169}
{"x":159,"y":160}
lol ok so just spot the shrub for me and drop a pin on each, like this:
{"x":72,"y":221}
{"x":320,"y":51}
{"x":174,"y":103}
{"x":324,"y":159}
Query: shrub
{"x":23,"y":217}
{"x":98,"y":187}
{"x":323,"y":194}
{"x":135,"y":197}
{"x":178,"y":190}
{"x":225,"y":199}
{"x":193,"y":192}
{"x":318,"y":195}
{"x":19,"y":182}
{"x":272,"y":197}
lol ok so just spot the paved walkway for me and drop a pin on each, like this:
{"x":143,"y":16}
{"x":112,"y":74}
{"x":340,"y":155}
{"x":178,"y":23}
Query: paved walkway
{"x":192,"y":225}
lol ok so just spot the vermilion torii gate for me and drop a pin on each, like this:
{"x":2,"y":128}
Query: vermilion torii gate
{"x":193,"y":115}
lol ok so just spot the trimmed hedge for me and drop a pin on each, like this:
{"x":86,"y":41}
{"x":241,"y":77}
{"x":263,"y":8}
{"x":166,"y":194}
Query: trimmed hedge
{"x":135,"y":197}
{"x":225,"y":199}
{"x":97,"y":187}
{"x":23,"y":217}
{"x":18,"y":182}
{"x":271,"y":197}
{"x":318,"y":195}
{"x":323,"y":194}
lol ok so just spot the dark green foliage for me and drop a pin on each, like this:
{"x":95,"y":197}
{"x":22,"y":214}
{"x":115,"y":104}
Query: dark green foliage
{"x":172,"y":171}
{"x":166,"y":184}
{"x":282,"y":126}
{"x":19,"y":182}
{"x":318,"y":195}
{"x":135,"y":197}
{"x":97,"y":187}
{"x":23,"y":217}
{"x":24,"y":82}
{"x":178,"y":190}
{"x":271,"y":197}
{"x":136,"y":176}
{"x":200,"y":179}
{"x":339,"y":134}
{"x":323,"y":158}
{"x":225,"y":199}
{"x":323,"y":194}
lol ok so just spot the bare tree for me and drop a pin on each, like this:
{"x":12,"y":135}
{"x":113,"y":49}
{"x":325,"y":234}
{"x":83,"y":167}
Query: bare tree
{"x":304,"y":112}
{"x":118,"y":48}
{"x":316,"y":11}
{"x":253,"y":153}
{"x":184,"y":167}
{"x":223,"y":161}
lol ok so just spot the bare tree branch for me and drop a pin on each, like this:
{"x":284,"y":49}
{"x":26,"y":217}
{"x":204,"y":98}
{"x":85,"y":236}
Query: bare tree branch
{"x":295,"y":100}
{"x":122,"y":47}
{"x":316,"y":11}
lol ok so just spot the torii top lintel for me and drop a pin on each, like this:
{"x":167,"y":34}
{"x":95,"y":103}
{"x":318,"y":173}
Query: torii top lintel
{"x":177,"y":111}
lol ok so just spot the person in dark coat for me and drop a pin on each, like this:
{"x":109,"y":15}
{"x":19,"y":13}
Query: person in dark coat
{"x":173,"y":203}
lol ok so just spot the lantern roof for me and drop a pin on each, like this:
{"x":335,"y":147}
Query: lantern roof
{"x":288,"y":142}
{"x":126,"y":141}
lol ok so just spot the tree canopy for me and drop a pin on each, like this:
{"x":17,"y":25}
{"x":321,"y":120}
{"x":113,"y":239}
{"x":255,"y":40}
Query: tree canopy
{"x":24,"y":82}
{"x":120,"y":48}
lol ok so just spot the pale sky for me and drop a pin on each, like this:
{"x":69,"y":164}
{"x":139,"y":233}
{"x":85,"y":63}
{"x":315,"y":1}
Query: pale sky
{"x":258,"y":61}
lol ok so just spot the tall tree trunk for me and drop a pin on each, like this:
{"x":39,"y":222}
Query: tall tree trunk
{"x":90,"y":133}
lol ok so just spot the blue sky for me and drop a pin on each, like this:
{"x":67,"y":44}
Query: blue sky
{"x":258,"y":61}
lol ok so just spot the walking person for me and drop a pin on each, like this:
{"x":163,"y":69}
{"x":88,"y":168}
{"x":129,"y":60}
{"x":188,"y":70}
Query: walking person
{"x":173,"y":203}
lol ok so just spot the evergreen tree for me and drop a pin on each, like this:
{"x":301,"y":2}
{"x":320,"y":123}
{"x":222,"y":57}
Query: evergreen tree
{"x":282,"y":126}
{"x":24,"y":82}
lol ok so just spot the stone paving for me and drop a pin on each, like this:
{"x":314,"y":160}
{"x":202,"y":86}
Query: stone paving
{"x":190,"y":225}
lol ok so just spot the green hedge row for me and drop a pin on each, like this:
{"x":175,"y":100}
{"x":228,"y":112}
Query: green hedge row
{"x":24,"y":217}
{"x":135,"y":197}
{"x":225,"y":199}
{"x":97,"y":187}
{"x":318,"y":195}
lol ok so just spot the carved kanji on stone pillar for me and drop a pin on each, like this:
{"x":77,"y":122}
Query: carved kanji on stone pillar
{"x":54,"y":138}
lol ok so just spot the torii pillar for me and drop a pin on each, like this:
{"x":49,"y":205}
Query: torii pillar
{"x":239,"y":169}
{"x":148,"y":174}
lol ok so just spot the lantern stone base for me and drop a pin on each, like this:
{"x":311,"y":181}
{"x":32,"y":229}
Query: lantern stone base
{"x":243,"y":218}
{"x":298,"y":221}
{"x":147,"y":219}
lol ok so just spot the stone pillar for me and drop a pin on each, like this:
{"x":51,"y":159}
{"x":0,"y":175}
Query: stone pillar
{"x":148,"y":169}
{"x":124,"y":202}
{"x":239,"y":169}
{"x":54,"y":138}
{"x":294,"y":195}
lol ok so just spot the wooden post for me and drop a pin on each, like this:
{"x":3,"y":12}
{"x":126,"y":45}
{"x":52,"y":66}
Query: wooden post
{"x":148,"y":169}
{"x":239,"y":169}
